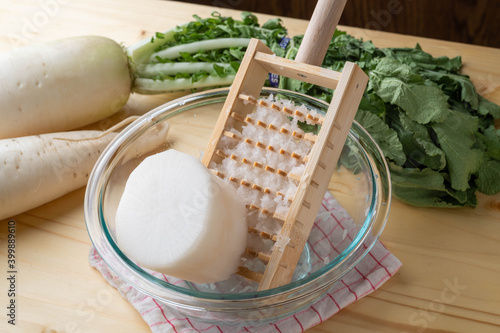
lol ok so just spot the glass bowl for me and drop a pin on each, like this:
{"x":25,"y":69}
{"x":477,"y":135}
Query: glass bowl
{"x":360,"y":185}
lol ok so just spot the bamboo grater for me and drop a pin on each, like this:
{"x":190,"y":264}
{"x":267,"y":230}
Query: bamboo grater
{"x":349,"y":86}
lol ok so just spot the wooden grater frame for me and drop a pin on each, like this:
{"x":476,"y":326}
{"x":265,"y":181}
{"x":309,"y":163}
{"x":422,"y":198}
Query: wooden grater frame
{"x":349,"y":86}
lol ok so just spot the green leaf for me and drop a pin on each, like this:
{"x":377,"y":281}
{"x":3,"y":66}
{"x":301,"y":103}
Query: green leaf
{"x":218,"y":26}
{"x":486,"y":107}
{"x":373,"y":103}
{"x":220,"y":70}
{"x":426,"y":188}
{"x":388,"y":67}
{"x":350,"y":158}
{"x":422,"y":103}
{"x":457,"y":84}
{"x":456,"y":136}
{"x":235,"y":65}
{"x":162,"y":61}
{"x":249,"y":18}
{"x":492,"y":133}
{"x":418,"y":146}
{"x":195,"y":77}
{"x":491,"y":141}
{"x":187,"y":56}
{"x":182,"y":76}
{"x":417,"y":58}
{"x":308,"y":128}
{"x":397,"y":84}
{"x":385,"y":137}
{"x":273,"y":24}
{"x":488,"y":179}
{"x":237,"y":52}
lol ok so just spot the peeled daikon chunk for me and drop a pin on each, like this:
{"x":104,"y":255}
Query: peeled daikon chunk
{"x":177,"y":218}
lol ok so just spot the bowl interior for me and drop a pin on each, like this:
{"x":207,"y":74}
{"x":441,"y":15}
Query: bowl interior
{"x":344,"y":224}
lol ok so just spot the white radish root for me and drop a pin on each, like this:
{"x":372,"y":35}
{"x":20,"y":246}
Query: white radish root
{"x":177,"y":218}
{"x":62,"y":85}
{"x":37,"y":169}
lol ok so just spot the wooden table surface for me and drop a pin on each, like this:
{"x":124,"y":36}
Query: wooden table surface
{"x":450,"y":277}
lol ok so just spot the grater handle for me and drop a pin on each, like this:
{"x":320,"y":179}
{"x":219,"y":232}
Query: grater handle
{"x":320,"y":31}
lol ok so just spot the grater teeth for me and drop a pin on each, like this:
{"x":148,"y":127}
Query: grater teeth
{"x":249,"y":120}
{"x":254,"y":186}
{"x":299,"y":115}
{"x":260,"y":145}
{"x":310,"y":137}
{"x":274,"y":106}
{"x":231,"y":135}
{"x":270,"y":169}
{"x":283,"y":130}
{"x":220,"y":153}
{"x":281,"y":173}
{"x":237,"y":116}
{"x":253,"y":207}
{"x":245,"y":183}
{"x":247,"y":98}
{"x":294,"y":176}
{"x":312,"y":118}
{"x":261,"y":124}
{"x":263,"y":234}
{"x":274,"y":215}
{"x":257,"y":254}
{"x":258,"y":165}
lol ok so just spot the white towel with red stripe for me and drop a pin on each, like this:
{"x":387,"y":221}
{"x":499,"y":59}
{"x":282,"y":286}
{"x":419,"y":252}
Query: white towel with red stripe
{"x":333,"y":227}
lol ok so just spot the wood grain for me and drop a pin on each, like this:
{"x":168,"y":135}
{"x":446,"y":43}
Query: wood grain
{"x":58,"y":290}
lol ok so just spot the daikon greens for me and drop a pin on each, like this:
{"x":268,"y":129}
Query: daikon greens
{"x":436,"y":132}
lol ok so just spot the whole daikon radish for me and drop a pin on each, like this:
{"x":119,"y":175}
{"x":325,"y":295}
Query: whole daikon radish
{"x":61,"y":85}
{"x":177,"y":218}
{"x":37,"y":169}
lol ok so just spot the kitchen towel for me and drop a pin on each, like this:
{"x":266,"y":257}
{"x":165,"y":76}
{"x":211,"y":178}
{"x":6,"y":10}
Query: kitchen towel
{"x":332,"y":231}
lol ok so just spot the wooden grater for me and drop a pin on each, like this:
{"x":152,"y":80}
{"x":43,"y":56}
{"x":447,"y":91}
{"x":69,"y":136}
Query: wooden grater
{"x":349,"y":86}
